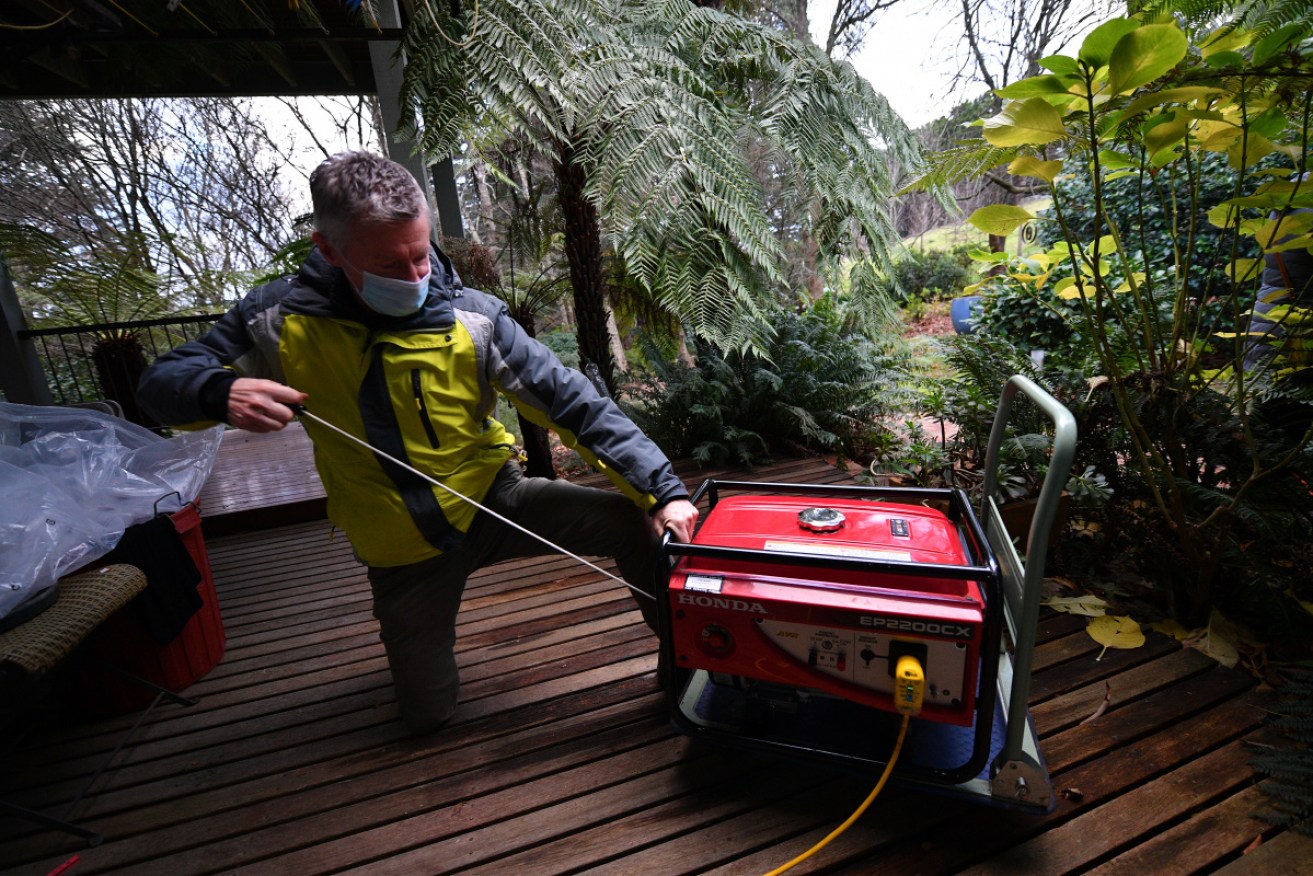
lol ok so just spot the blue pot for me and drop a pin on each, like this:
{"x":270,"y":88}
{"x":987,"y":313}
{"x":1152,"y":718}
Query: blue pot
{"x":965,"y":311}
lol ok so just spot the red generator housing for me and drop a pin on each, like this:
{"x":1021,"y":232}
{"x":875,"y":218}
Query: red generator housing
{"x":837,"y":630}
{"x":769,"y":608}
{"x":782,"y":622}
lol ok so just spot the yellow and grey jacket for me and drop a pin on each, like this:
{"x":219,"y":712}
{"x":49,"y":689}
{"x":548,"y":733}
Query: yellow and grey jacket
{"x":421,"y":388}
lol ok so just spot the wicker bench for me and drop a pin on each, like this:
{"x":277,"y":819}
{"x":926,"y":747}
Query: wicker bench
{"x":85,"y":601}
{"x":35,"y":647}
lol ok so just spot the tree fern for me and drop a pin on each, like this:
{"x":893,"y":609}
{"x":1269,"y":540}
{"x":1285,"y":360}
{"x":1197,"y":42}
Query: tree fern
{"x":1262,"y":17}
{"x":663,"y":99}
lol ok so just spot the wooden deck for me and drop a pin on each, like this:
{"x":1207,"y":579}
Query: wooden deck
{"x":261,"y":480}
{"x":562,"y":759}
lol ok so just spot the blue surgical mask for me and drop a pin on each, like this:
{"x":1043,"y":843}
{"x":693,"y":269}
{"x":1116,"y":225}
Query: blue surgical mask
{"x":393,"y":297}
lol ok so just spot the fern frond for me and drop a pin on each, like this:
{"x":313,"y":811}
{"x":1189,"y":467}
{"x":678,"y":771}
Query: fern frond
{"x":968,"y":160}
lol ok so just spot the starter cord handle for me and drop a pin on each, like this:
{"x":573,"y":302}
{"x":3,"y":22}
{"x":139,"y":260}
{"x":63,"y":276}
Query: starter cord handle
{"x":300,"y":411}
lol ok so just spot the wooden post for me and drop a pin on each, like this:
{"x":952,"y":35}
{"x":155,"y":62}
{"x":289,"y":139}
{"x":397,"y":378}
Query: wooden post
{"x":387,"y":82}
{"x":21,"y":376}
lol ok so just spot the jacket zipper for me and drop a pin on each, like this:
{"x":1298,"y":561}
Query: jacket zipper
{"x":423,"y":409}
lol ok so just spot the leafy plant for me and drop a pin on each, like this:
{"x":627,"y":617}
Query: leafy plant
{"x":1151,"y":210}
{"x":1183,"y":430}
{"x":61,"y":285}
{"x":912,"y":456}
{"x":914,"y":307}
{"x":933,"y":274}
{"x":821,"y":385}
{"x":1289,"y":765}
{"x":1031,"y":318}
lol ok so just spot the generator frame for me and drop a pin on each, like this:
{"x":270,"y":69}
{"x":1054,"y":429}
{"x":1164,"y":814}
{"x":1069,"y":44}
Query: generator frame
{"x":1016,"y":776}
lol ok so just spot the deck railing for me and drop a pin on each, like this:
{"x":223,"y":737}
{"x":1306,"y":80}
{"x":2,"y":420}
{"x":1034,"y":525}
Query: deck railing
{"x":90,"y":362}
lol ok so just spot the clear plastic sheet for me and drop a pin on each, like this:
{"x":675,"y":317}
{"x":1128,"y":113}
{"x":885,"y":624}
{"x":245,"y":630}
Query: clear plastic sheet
{"x":72,"y":480}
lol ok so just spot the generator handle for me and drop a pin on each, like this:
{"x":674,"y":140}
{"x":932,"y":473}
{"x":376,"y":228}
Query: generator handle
{"x":1055,"y":479}
{"x":1026,"y":603}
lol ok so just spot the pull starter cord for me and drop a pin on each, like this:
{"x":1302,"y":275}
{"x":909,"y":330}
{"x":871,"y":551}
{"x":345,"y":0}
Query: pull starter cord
{"x":909,"y":692}
{"x":301,"y":411}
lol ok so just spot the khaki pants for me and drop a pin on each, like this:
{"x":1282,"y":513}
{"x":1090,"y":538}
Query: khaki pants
{"x":416,"y":605}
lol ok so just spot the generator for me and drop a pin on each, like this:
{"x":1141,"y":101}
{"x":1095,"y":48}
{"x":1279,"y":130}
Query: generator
{"x":782,"y":622}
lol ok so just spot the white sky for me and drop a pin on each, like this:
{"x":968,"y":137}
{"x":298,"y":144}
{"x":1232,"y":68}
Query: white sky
{"x":907,"y":56}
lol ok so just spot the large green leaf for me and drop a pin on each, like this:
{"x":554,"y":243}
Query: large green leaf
{"x":1035,"y":86}
{"x":1185,"y":94}
{"x":1143,"y":55}
{"x":1165,"y":131}
{"x":1113,"y":160}
{"x":1000,"y":219}
{"x":1225,"y":40}
{"x":1278,"y":41}
{"x":1029,"y":165}
{"x":1097,"y":48}
{"x":1060,"y":64}
{"x":1032,"y":122}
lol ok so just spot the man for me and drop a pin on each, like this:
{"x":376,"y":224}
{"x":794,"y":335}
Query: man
{"x":376,"y":335}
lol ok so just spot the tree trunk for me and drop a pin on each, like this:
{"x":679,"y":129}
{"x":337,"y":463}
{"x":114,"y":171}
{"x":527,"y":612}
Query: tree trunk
{"x":485,"y":231}
{"x":997,"y":243}
{"x":617,"y":346}
{"x":583,"y":252}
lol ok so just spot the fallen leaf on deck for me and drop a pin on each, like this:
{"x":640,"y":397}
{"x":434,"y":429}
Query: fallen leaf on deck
{"x":1103,"y":706}
{"x":1072,"y":794}
{"x":1112,"y":631}
{"x":1171,"y":627}
{"x":1217,"y":640}
{"x":1086,"y":606}
{"x":1258,"y":841}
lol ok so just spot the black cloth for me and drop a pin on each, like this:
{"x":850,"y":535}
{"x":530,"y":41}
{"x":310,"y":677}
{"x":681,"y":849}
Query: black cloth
{"x":170,"y":597}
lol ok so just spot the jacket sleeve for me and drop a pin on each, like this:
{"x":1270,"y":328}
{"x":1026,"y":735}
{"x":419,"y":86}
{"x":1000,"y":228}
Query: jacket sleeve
{"x":190,"y":383}
{"x":551,"y":395}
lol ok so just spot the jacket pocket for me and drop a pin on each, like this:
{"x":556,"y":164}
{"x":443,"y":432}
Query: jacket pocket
{"x":422,"y":407}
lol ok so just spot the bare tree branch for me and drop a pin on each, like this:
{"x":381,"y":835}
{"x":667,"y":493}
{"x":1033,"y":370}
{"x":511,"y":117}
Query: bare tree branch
{"x":851,"y":21}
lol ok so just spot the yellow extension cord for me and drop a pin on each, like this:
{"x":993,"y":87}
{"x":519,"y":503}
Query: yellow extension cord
{"x":909,"y":692}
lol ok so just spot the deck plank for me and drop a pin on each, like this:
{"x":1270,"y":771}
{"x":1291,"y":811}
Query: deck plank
{"x":1287,"y":854}
{"x":561,"y":757}
{"x":1211,"y":835}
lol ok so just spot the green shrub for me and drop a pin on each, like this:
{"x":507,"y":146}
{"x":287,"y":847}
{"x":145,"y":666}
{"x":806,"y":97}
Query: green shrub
{"x":564,"y":343}
{"x":1032,"y":319}
{"x":933,"y":275}
{"x":1159,"y":208}
{"x":822,"y":386}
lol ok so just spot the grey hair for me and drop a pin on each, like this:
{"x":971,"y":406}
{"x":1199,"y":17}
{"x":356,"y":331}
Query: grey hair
{"x":353,"y":187}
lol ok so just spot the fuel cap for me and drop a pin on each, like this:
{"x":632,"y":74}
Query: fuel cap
{"x":820,"y":519}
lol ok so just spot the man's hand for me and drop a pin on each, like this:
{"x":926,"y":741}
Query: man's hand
{"x":679,"y":516}
{"x":261,"y":405}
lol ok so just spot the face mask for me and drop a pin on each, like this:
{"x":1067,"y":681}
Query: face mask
{"x":392,"y":297}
